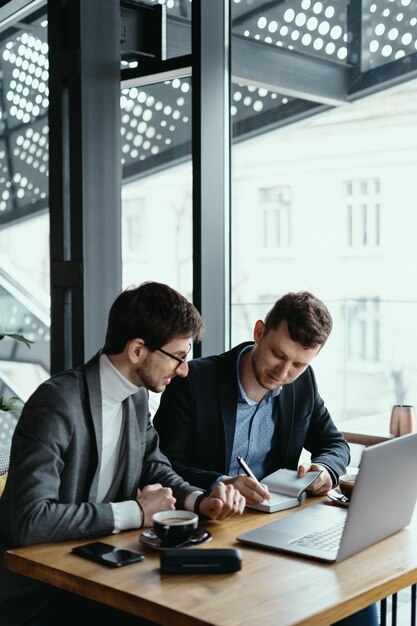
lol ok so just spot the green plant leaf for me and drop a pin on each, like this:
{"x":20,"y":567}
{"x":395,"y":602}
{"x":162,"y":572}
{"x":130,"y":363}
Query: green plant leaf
{"x":17,"y":337}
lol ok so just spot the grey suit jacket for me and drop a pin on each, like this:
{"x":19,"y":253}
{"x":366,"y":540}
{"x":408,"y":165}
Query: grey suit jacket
{"x":51,"y":490}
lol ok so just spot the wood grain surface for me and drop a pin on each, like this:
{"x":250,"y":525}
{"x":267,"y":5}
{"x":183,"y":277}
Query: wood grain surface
{"x":270,"y":589}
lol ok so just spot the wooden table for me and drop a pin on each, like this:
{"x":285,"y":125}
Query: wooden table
{"x":270,"y":589}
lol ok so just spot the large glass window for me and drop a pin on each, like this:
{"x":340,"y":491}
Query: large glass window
{"x":157,"y":202}
{"x":24,"y":224}
{"x":157,"y":229}
{"x":351,"y":174}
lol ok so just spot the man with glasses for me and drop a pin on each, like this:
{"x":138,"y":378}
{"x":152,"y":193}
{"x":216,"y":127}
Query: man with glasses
{"x":85,"y":459}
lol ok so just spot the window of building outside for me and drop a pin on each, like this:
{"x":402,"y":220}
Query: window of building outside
{"x":275,"y":207}
{"x":134,"y":229}
{"x":362,"y":326}
{"x":362,"y":213}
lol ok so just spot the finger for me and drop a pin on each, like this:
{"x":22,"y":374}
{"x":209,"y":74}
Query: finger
{"x":260,"y":495}
{"x":168,"y":506}
{"x":233,"y":507}
{"x":238,"y":505}
{"x":302,"y":470}
{"x":152,"y":487}
{"x":220,"y":490}
{"x":251,"y":489}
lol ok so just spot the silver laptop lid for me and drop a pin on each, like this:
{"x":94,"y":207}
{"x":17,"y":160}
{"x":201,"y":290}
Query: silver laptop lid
{"x":382,"y":503}
{"x":385,"y":494}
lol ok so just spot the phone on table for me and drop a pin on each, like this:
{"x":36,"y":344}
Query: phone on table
{"x":107,"y":554}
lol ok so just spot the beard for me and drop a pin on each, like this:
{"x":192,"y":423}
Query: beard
{"x":146,"y":377}
{"x":262,"y":375}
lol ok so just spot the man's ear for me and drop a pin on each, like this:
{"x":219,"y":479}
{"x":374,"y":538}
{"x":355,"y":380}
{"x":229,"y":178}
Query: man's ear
{"x":258,"y":330}
{"x":135,"y":349}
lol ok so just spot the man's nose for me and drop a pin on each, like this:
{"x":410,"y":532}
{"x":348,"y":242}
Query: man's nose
{"x":284,"y":369}
{"x":182,"y":369}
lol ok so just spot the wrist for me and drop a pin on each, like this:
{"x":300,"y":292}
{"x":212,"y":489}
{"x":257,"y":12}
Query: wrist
{"x":197,"y":505}
{"x":141,"y":513}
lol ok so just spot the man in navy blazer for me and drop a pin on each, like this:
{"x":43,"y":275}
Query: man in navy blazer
{"x":259,"y":401}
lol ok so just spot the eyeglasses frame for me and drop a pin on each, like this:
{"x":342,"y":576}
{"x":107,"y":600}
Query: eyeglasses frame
{"x":176,"y":358}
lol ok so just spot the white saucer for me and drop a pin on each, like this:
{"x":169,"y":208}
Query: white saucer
{"x":150,"y":539}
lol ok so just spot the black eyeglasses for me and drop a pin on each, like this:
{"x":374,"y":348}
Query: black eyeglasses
{"x":180,"y":360}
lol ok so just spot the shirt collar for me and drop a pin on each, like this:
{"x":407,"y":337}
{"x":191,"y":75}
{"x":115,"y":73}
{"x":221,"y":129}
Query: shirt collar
{"x":113,"y":384}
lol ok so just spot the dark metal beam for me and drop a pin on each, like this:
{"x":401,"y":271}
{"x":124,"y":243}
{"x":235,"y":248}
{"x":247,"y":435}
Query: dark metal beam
{"x":211,"y":170}
{"x":288,"y":72}
{"x":384,"y":77}
{"x":156,"y":72}
{"x":85,"y":174}
{"x":13,"y":11}
{"x":142,"y":30}
{"x":357,"y":23}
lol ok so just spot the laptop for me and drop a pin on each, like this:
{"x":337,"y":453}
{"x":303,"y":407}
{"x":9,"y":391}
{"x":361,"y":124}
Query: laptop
{"x":382,"y":503}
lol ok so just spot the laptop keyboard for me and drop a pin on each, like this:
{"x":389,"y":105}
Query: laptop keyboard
{"x":327,"y":540}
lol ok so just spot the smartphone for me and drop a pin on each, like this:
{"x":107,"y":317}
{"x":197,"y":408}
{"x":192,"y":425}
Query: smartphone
{"x":107,"y":554}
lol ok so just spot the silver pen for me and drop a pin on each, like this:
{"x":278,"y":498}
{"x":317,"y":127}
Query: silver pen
{"x":246,"y":468}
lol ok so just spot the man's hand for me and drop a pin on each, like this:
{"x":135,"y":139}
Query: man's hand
{"x":322,"y":484}
{"x":252,"y":490}
{"x":223,"y":501}
{"x":154,"y":498}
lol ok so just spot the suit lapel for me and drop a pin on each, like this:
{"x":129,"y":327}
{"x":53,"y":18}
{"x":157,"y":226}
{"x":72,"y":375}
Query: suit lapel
{"x":92,"y":373}
{"x":285,"y":420}
{"x":228,"y":402}
{"x":133,"y":448}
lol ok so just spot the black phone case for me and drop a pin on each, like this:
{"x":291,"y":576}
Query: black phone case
{"x":97,"y":550}
{"x":198,"y":561}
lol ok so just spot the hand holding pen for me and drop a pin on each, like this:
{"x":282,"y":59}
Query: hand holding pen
{"x":259,"y":489}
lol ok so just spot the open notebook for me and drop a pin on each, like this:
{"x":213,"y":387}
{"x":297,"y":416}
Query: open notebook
{"x":286,"y":490}
{"x":382,"y":503}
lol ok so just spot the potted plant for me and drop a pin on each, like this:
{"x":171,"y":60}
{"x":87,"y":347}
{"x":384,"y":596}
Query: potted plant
{"x":13,"y":403}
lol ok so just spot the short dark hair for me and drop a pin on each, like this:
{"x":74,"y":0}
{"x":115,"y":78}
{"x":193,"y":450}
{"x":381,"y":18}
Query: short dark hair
{"x":309,"y":321}
{"x":153,"y":312}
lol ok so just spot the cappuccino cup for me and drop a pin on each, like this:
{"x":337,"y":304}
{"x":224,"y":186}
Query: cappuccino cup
{"x":346,"y":484}
{"x":174,"y":527}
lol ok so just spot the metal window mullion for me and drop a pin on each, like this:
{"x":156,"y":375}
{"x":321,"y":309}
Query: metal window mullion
{"x":211,"y":170}
{"x":85,"y":174}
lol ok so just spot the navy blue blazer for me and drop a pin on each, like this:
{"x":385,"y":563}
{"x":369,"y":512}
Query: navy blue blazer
{"x":196,"y":422}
